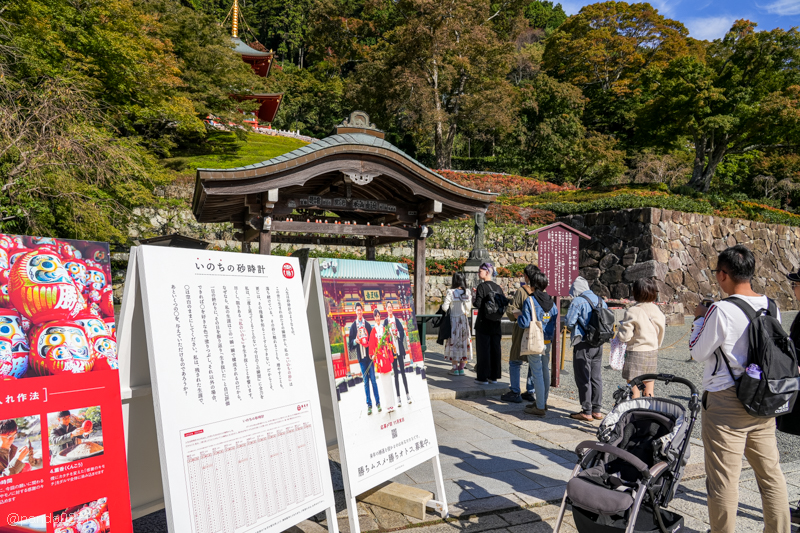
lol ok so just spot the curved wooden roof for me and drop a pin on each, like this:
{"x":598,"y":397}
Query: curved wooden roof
{"x":221,"y":195}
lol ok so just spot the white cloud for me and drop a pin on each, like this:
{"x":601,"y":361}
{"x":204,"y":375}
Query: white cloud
{"x":783,"y":7}
{"x":709,"y":28}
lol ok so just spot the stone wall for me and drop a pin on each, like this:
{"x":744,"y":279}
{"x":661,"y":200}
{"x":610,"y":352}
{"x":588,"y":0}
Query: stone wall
{"x":679,"y":250}
{"x":437,"y":287}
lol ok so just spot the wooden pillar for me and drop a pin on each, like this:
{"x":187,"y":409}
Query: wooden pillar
{"x":268,"y":200}
{"x":555,"y":349}
{"x":245,"y":247}
{"x":265,"y":242}
{"x":265,"y":236}
{"x":419,"y":276}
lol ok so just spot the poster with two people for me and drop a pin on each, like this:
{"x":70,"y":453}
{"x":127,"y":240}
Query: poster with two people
{"x":379,"y":370}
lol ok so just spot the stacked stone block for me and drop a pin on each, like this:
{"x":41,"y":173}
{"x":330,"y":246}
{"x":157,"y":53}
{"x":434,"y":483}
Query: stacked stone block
{"x":679,"y":250}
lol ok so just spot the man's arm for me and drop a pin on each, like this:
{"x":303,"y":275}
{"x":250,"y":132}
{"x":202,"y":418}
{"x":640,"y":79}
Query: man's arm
{"x":59,"y":439}
{"x":401,"y":331}
{"x":573,"y":313}
{"x":708,"y":334}
{"x":352,"y":336}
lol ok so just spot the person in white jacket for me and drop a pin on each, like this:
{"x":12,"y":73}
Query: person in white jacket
{"x":728,"y":430}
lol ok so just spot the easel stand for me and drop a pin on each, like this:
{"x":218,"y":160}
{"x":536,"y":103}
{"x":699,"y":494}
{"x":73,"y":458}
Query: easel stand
{"x":335,"y":433}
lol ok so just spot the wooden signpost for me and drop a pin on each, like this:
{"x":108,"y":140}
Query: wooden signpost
{"x":558,"y":259}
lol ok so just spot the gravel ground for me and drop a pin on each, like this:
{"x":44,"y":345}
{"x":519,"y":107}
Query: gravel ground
{"x":674,"y":360}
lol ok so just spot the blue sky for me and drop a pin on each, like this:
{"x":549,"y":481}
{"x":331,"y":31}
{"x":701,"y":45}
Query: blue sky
{"x":710,"y":19}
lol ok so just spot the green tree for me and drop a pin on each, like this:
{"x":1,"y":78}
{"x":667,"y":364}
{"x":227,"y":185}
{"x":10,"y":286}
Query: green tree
{"x":313,"y":98}
{"x":742,"y":95}
{"x":442,"y":70}
{"x":595,"y":160}
{"x":545,"y":15}
{"x":549,"y":125}
{"x":63,"y":170}
{"x":604,"y":50}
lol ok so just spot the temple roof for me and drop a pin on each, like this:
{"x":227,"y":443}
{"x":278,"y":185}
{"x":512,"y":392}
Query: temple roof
{"x":244,"y":50}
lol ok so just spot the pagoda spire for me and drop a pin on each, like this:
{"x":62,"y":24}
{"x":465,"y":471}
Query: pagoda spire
{"x":235,"y":27}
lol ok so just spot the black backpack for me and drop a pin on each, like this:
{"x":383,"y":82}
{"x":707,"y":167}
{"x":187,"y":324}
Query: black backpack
{"x":771,"y":349}
{"x":495,"y":307}
{"x":600,"y":328}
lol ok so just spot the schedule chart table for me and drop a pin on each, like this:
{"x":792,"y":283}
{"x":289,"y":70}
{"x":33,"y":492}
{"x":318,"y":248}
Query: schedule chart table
{"x":245,"y":471}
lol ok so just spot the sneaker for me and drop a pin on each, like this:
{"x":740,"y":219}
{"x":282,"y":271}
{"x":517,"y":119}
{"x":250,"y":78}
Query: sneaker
{"x":408,"y":397}
{"x":369,"y":410}
{"x":454,"y":372}
{"x":399,"y":402}
{"x":511,"y":397}
{"x":535,"y":411}
{"x":379,"y":408}
{"x":459,"y":372}
{"x":479,"y":382}
{"x":527,"y":396}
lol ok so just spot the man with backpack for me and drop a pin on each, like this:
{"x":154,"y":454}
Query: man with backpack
{"x":490,"y":301}
{"x":588,"y":323}
{"x":722,"y":336}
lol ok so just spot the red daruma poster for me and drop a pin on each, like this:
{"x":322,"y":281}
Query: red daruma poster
{"x":62,"y":449}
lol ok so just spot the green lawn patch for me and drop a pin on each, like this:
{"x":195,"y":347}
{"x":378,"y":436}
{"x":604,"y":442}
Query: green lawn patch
{"x":223,"y":150}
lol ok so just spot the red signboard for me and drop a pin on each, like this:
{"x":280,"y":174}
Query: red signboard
{"x":558,"y":259}
{"x":62,"y":449}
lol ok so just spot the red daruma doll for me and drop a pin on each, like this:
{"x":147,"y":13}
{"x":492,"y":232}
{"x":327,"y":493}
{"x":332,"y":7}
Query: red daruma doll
{"x":41,"y":289}
{"x":60,"y":347}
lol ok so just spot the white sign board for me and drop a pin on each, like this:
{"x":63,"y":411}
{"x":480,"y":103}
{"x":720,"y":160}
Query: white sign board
{"x":376,"y":370}
{"x":239,"y":423}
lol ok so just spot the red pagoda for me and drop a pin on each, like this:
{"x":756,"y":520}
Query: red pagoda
{"x":261,"y":63}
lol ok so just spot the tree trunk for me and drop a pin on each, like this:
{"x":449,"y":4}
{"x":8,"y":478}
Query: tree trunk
{"x":444,"y":145}
{"x":706,"y":160}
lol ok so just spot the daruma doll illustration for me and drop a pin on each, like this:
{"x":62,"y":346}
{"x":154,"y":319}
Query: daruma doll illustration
{"x":12,"y":365}
{"x":60,"y":347}
{"x":41,"y":289}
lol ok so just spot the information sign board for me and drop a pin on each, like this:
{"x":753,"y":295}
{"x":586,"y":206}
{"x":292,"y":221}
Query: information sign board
{"x":62,"y":448}
{"x":376,"y":372}
{"x":241,"y":439}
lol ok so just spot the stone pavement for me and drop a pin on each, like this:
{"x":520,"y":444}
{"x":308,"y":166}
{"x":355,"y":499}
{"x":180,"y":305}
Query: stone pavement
{"x":506,"y":472}
{"x":503,"y":469}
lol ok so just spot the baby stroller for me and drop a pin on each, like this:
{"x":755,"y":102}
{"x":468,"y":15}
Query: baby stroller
{"x":624,"y":481}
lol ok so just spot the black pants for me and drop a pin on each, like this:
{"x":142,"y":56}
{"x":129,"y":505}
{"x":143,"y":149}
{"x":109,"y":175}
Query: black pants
{"x":587,"y":362}
{"x":399,"y":367}
{"x":489,"y":364}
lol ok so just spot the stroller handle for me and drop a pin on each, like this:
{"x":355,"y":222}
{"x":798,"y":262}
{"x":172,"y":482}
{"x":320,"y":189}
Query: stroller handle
{"x":666,"y":378}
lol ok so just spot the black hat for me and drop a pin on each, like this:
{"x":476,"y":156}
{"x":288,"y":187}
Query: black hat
{"x":794,"y":276}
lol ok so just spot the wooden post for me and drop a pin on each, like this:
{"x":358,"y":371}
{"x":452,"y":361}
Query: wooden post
{"x":265,"y":242}
{"x":555,"y":352}
{"x":245,"y":247}
{"x":370,"y":249}
{"x":419,"y":276}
